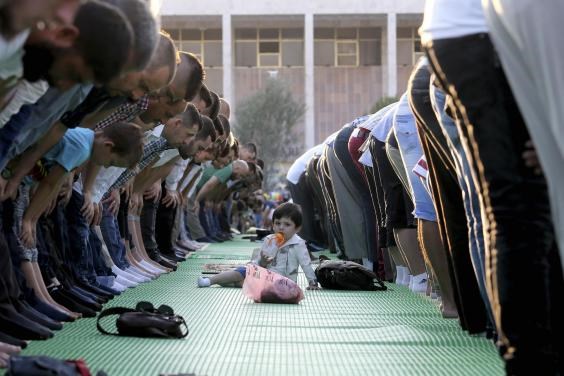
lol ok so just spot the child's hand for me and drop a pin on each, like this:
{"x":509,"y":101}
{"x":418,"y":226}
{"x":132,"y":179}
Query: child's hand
{"x":264,"y":259}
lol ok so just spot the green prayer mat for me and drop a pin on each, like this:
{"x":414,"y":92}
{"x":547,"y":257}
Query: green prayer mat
{"x":330,"y":333}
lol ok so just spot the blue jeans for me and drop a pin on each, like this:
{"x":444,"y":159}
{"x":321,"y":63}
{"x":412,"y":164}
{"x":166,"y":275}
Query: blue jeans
{"x":9,"y":132}
{"x":79,"y":233}
{"x":411,"y":151}
{"x":110,"y":232}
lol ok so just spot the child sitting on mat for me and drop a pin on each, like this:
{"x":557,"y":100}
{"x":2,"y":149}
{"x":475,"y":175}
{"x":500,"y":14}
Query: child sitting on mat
{"x":284,"y":259}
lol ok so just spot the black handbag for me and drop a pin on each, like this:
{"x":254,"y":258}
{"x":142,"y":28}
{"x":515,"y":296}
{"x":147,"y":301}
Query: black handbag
{"x":347,"y":275}
{"x":145,"y":321}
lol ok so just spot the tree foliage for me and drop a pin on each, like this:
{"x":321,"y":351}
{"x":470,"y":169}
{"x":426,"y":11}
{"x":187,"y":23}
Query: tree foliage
{"x":267,"y":119}
{"x":383,"y":102}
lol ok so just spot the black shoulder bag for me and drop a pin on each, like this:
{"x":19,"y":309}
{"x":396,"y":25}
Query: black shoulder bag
{"x":145,"y":321}
{"x":347,"y":275}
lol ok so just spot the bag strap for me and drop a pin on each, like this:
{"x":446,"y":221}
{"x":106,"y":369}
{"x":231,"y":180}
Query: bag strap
{"x":379,"y":285}
{"x":109,"y":312}
{"x":185,"y":326}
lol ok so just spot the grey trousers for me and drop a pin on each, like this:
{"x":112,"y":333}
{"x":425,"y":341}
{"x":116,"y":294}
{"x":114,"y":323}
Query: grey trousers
{"x":349,"y":203}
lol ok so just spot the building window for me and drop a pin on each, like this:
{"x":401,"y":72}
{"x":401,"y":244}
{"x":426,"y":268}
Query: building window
{"x":348,"y":47}
{"x":269,"y":48}
{"x":409,"y":46}
{"x":205,"y":44}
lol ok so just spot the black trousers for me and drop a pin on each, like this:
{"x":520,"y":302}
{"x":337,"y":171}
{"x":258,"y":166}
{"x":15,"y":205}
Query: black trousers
{"x":334,"y":220}
{"x":398,"y":206}
{"x":148,"y":222}
{"x":320,"y":208}
{"x":449,"y":204}
{"x":164,"y":225}
{"x":519,"y":240}
{"x":302,"y":196}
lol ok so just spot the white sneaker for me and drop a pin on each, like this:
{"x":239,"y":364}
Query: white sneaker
{"x":204,"y":282}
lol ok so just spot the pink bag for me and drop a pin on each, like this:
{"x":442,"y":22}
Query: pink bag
{"x":265,"y":286}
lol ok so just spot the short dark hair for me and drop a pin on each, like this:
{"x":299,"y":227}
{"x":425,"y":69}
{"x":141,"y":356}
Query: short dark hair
{"x":145,"y":32}
{"x":225,"y":149}
{"x":252,"y":167}
{"x":213,"y":109}
{"x":127,"y":139}
{"x":191,"y":116}
{"x":235,"y":147}
{"x":207,"y":130}
{"x":288,"y":210}
{"x":165,"y":55}
{"x":218,"y":125}
{"x":195,"y":77}
{"x":226,"y":125}
{"x":251,"y":147}
{"x":98,"y":24}
{"x":205,"y":95}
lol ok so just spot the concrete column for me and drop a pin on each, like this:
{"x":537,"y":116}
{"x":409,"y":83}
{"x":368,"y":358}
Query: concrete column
{"x":391,"y":38}
{"x":309,"y":82}
{"x":227,"y":32}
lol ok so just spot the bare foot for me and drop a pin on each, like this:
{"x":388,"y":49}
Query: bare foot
{"x":448,"y":312}
{"x":9,"y":349}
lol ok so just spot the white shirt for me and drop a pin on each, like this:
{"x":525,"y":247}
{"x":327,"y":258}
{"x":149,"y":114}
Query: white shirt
{"x":300,"y":165}
{"x":166,"y":156}
{"x":171,"y":181}
{"x":382,"y":128}
{"x":446,"y":19}
{"x":11,"y":54}
{"x":366,"y":158}
{"x":25,"y":92}
{"x":108,"y":176}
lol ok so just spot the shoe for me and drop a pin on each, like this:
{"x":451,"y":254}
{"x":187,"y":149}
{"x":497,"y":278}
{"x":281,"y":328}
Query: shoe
{"x":204,"y":282}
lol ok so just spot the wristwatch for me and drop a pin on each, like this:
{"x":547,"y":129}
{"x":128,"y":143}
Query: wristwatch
{"x":6,"y":173}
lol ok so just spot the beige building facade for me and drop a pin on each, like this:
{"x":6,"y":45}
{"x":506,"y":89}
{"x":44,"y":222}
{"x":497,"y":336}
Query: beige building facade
{"x":338,"y":57}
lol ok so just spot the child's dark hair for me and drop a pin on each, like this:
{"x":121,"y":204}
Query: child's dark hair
{"x":289,"y":210}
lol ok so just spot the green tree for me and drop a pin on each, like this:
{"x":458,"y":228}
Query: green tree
{"x":267,"y":119}
{"x":382,"y":102}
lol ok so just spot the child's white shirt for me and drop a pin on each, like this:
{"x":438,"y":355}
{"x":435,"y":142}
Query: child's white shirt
{"x":288,"y":258}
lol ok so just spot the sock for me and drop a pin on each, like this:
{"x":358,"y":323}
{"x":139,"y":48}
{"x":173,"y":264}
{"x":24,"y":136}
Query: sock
{"x":204,"y":282}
